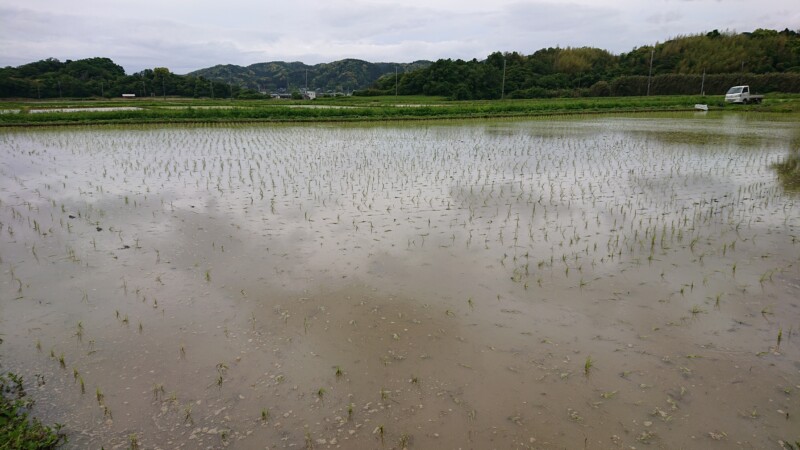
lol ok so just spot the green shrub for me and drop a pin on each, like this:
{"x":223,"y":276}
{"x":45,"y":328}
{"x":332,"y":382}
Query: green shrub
{"x":17,"y":430}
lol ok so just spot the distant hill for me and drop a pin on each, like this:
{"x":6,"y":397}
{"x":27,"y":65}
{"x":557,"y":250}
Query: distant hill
{"x":338,"y":76}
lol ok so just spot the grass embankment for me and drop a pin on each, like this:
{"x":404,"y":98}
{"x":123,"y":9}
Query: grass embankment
{"x":353,"y":109}
{"x":17,"y":430}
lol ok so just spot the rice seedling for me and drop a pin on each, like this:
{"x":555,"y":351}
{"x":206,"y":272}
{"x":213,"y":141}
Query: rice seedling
{"x":134,"y":441}
{"x":607,"y":395}
{"x":187,"y":415}
{"x":79,"y":331}
{"x":404,"y":441}
{"x":379,"y":430}
{"x":158,"y":391}
{"x":309,"y":442}
{"x":265,"y":415}
{"x":587,"y":365}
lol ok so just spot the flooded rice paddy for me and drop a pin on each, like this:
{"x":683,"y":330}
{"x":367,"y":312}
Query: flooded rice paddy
{"x":90,"y":109}
{"x":72,"y":110}
{"x":573,"y":283}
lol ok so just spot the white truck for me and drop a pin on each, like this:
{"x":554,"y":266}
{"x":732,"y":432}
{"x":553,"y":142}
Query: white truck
{"x":741,"y":94}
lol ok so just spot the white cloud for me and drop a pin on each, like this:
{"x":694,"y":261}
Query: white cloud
{"x":663,"y":18}
{"x":185,"y":35}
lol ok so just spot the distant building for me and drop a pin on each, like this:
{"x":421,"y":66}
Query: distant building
{"x":309,"y":95}
{"x":128,"y":95}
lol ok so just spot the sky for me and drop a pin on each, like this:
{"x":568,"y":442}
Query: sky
{"x":185,"y":35}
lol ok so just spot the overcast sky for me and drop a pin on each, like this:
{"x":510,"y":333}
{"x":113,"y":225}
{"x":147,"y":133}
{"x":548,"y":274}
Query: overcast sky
{"x":185,"y":35}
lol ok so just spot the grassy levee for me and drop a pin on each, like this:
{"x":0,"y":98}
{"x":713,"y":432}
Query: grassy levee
{"x":352,"y":109}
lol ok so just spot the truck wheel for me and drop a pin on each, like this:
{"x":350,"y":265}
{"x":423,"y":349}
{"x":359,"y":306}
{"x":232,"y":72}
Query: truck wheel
{"x":745,"y":101}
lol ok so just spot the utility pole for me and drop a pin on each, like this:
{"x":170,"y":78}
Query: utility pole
{"x":59,"y":89}
{"x":650,"y":74}
{"x":741,"y":73}
{"x":503,"y":85}
{"x":102,"y":89}
{"x":703,"y":84}
{"x":395,"y":81}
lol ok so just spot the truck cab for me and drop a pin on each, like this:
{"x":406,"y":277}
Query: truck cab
{"x":741,"y":94}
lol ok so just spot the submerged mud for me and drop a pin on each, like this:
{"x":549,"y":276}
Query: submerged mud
{"x":604,"y":283}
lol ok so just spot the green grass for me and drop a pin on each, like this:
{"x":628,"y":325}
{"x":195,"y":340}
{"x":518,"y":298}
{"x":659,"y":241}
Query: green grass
{"x":17,"y":429}
{"x":789,"y":171}
{"x":347,"y":109}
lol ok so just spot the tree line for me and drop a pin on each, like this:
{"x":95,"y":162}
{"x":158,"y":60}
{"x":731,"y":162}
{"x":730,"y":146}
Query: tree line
{"x":709,"y":63}
{"x":101,"y":77}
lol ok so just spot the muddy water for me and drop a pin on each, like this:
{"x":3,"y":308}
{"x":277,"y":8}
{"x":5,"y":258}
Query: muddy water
{"x":601,"y":283}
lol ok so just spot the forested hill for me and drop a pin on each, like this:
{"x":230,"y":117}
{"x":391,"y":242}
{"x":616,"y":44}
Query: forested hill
{"x":98,"y":77}
{"x":767,"y":60}
{"x":101,"y":77}
{"x":338,"y":76}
